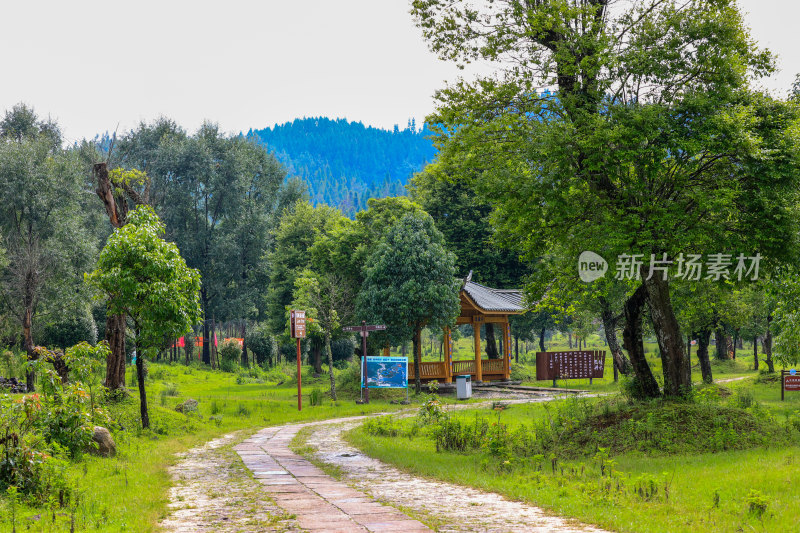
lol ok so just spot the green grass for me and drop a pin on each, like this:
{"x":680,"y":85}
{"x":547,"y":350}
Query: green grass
{"x":704,"y":491}
{"x":130,"y":492}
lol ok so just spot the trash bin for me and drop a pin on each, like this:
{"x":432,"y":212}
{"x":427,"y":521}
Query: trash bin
{"x":464,"y":387}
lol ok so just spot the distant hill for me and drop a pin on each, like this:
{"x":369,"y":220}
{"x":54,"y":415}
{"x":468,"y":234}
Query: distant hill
{"x":346,"y":163}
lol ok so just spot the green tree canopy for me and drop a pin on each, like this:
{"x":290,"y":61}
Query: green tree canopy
{"x":410,"y":283}
{"x":651,"y":143}
{"x":146,"y":279}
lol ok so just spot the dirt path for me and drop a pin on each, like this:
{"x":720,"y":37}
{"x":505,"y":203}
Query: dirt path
{"x":283,"y":491}
{"x":215,"y":492}
{"x":452,"y":508}
{"x":728,"y":380}
{"x":321,"y":503}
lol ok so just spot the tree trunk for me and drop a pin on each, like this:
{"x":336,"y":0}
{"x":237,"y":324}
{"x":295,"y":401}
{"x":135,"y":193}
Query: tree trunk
{"x":755,"y":352}
{"x":569,"y":339}
{"x":491,"y":344}
{"x":516,"y":349}
{"x":115,"y":325}
{"x":206,"y":343}
{"x":735,"y":342}
{"x":30,"y":349}
{"x":676,"y":367}
{"x":689,"y":346}
{"x":316,"y":353}
{"x":541,"y":341}
{"x":610,"y":328}
{"x":632,"y":342}
{"x":703,"y":340}
{"x":417,"y":347}
{"x":723,"y":344}
{"x":142,"y":392}
{"x":768,"y":346}
{"x":329,"y":354}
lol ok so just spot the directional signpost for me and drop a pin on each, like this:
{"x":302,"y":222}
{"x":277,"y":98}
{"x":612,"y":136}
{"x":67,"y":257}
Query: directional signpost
{"x":364,"y":330}
{"x":298,"y":321}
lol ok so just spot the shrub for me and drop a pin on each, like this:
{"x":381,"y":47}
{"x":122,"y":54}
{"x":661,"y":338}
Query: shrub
{"x":342,"y":351}
{"x":260,"y":342}
{"x":11,"y":364}
{"x":229,"y":355}
{"x":315,"y":397}
{"x":382,"y":426}
{"x":288,"y":351}
{"x":348,"y":379}
{"x":69,"y":330}
{"x":279,"y":374}
{"x":744,"y":398}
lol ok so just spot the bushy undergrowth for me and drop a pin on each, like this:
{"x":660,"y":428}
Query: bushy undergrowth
{"x":39,"y":432}
{"x":577,"y":428}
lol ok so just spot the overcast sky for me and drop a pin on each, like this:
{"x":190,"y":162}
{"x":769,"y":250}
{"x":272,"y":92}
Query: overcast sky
{"x":94,"y":65}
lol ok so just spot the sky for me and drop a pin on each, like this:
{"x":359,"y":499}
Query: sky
{"x":98,"y":66}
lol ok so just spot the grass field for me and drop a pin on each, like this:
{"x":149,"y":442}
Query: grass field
{"x":129,"y":492}
{"x":734,"y":490}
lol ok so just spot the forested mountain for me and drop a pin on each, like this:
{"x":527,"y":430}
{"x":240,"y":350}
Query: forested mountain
{"x":346,"y":163}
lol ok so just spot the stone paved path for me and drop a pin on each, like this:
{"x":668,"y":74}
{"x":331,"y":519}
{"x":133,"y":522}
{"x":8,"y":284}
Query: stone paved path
{"x":323,"y":504}
{"x":213,"y":492}
{"x":320,"y":503}
{"x":454,"y":508}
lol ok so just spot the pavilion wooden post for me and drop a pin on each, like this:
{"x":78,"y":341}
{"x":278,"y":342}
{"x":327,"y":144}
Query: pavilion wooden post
{"x":506,"y":350}
{"x":476,"y":328}
{"x":448,"y":365}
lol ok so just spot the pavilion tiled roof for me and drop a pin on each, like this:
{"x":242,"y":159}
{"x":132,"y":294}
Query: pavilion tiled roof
{"x":498,"y":300}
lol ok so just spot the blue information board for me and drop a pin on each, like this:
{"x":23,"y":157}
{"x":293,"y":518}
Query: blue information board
{"x":387,"y":372}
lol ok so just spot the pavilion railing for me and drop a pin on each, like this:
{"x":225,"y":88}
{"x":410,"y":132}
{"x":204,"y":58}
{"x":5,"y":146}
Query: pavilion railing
{"x":435,"y":369}
{"x":492,"y":366}
{"x":427,"y":370}
{"x":463,"y":367}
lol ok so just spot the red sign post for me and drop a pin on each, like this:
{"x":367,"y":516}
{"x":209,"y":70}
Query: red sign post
{"x":298,"y":326}
{"x":790,"y":382}
{"x":364,"y":330}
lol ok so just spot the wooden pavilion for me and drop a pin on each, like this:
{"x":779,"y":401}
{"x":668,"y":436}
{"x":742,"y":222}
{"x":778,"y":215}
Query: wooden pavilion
{"x":479,"y":305}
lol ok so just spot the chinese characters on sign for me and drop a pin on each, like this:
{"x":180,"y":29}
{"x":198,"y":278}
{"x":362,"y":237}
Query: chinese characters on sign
{"x":298,"y":320}
{"x":570,"y":365}
{"x":689,"y":267}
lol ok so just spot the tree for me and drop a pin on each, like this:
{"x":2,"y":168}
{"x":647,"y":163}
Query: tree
{"x":410,"y":283}
{"x":462,"y":216}
{"x":651,"y":142}
{"x":117,"y":190}
{"x":146,"y":279}
{"x":328,"y":301}
{"x":219,"y":197}
{"x":299,"y":228}
{"x":47,"y":246}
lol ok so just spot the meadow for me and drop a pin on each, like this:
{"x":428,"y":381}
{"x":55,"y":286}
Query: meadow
{"x":726,"y":460}
{"x":129,"y":492}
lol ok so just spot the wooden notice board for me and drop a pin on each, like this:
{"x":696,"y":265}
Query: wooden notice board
{"x":578,"y":364}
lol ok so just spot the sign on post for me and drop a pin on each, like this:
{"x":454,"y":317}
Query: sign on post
{"x":789,"y":382}
{"x":386,"y":373}
{"x":364,"y":330}
{"x":297,"y":320}
{"x":570,"y":365}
